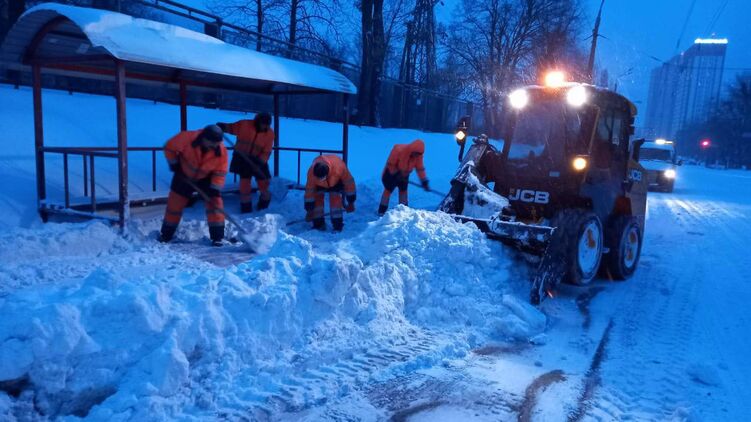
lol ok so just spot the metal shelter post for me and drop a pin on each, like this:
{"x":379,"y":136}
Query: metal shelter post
{"x":276,"y":135}
{"x":122,"y":145}
{"x":345,"y":129}
{"x":39,"y":139}
{"x":183,"y":106}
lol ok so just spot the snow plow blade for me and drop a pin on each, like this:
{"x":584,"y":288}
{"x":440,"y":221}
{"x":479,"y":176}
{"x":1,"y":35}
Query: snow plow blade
{"x":529,"y":238}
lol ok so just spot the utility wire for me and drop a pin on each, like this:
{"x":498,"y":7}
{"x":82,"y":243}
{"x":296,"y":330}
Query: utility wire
{"x":685,"y":23}
{"x":716,"y":17}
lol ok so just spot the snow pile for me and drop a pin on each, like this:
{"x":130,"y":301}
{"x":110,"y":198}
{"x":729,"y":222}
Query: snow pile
{"x":189,"y":341}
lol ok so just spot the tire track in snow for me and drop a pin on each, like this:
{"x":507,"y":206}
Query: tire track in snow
{"x":307,"y":387}
{"x":648,"y":379}
{"x":532,"y":392}
{"x":592,"y":378}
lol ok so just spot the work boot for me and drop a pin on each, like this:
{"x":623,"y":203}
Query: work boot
{"x":216,"y":233}
{"x":161,"y":238}
{"x":166,"y":234}
{"x":319,"y":223}
{"x":263,"y":203}
{"x":338,"y":224}
{"x":246,"y":207}
{"x":382,"y":209}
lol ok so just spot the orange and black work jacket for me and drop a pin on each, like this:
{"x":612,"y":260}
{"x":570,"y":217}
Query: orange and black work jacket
{"x":250,"y":141}
{"x":196,"y":162}
{"x":339,"y":178}
{"x":401,"y":160}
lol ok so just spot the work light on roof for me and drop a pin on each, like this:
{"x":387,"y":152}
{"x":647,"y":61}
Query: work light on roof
{"x":518,"y":99}
{"x":555,"y":79}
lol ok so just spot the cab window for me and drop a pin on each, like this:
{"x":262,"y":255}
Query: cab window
{"x":610,"y":137}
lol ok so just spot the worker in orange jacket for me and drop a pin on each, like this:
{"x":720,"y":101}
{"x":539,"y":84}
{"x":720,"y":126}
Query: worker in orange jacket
{"x":328,"y":173}
{"x":198,"y":157}
{"x":402,"y":160}
{"x":255,"y":141}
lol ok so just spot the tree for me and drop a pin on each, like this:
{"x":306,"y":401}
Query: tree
{"x":500,"y":43}
{"x":10,"y":11}
{"x":253,"y":15}
{"x":729,"y":129}
{"x":371,"y":64}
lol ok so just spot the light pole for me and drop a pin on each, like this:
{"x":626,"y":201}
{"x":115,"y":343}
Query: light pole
{"x":595,"y":34}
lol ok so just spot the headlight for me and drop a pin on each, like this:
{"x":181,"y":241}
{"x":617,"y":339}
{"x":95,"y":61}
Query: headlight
{"x":579,"y":163}
{"x":577,"y":96}
{"x":518,"y":99}
{"x":669,"y":174}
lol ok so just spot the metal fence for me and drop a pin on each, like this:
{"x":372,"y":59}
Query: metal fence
{"x":400,"y":105}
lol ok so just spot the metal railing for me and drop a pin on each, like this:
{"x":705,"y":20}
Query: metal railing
{"x":88,"y":156}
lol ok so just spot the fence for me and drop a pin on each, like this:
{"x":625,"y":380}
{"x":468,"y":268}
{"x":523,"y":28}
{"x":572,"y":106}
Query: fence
{"x":401,"y":105}
{"x":92,"y":205}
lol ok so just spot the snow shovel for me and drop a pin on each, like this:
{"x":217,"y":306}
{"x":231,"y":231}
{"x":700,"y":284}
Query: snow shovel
{"x":441,"y":194}
{"x":247,"y":159}
{"x":244,"y":234}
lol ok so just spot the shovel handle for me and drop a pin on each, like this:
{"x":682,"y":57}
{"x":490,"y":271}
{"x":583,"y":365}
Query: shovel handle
{"x":206,"y":198}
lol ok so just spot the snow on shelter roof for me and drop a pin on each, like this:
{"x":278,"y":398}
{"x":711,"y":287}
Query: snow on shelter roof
{"x":148,"y":46}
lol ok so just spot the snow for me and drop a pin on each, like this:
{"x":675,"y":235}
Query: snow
{"x":144,"y":41}
{"x":480,"y":201}
{"x":412,"y":315}
{"x":180,"y":334}
{"x":123,"y":328}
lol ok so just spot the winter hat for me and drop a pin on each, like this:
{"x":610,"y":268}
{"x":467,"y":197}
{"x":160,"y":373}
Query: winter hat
{"x":321,"y":170}
{"x":262,"y":119}
{"x":212,"y":133}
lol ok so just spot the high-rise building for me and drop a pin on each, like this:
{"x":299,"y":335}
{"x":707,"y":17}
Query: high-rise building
{"x":685,"y":89}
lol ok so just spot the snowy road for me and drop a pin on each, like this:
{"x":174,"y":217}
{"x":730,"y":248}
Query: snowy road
{"x":676,"y":349}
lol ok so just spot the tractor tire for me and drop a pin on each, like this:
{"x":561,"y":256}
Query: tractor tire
{"x":579,"y":240}
{"x":624,"y":239}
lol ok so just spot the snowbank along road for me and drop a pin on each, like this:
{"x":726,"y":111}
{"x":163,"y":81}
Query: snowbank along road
{"x":412,"y":316}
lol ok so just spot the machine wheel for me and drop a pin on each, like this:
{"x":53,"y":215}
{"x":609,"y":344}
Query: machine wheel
{"x":624,"y":240}
{"x":579,"y":236}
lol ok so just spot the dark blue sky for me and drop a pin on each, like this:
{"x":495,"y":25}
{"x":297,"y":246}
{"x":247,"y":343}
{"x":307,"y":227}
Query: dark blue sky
{"x":636,"y":29}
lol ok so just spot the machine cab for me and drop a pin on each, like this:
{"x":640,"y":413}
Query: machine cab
{"x":566,"y":145}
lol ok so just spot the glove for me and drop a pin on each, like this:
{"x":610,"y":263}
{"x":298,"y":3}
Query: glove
{"x":425,"y":184}
{"x":175,"y":167}
{"x":350,"y":203}
{"x":222,"y":126}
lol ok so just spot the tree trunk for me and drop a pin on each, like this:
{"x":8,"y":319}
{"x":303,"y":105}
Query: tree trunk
{"x":293,"y":25}
{"x":10,"y":11}
{"x":259,"y":23}
{"x":363,"y":95}
{"x":371,"y":66}
{"x":379,"y":56}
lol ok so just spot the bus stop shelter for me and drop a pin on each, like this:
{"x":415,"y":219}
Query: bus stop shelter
{"x":97,"y":44}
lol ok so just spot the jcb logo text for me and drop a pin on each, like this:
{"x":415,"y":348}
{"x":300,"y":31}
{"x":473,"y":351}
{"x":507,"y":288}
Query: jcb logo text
{"x":525,"y":195}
